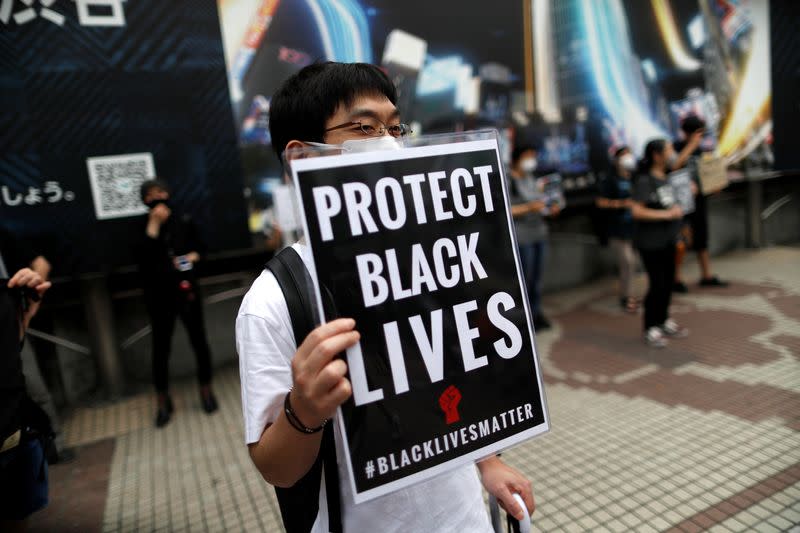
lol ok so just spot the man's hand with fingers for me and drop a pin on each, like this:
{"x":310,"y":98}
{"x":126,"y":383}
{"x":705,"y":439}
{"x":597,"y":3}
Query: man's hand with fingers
{"x":155,"y":219}
{"x":159,"y":214}
{"x":319,"y":382}
{"x":34,"y":286}
{"x":289,"y":446}
{"x":502,"y":481}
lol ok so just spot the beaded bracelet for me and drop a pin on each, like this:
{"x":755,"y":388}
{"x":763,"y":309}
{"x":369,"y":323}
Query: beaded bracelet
{"x":295,"y":422}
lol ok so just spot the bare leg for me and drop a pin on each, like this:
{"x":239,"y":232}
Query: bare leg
{"x":703,"y":258}
{"x":680,"y":253}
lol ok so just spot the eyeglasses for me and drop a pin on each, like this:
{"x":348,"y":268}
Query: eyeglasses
{"x":375,"y":128}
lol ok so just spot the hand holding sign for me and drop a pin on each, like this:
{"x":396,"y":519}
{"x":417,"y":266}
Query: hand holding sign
{"x":319,"y":382}
{"x":675,"y":212}
{"x":504,"y":482}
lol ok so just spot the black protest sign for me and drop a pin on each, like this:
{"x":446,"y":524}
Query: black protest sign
{"x":417,"y":246}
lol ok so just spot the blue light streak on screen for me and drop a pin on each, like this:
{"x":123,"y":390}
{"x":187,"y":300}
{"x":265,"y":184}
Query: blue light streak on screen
{"x":611,"y":61}
{"x":343,"y":29}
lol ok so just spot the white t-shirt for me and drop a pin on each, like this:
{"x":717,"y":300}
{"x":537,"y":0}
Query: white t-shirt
{"x":265,"y":342}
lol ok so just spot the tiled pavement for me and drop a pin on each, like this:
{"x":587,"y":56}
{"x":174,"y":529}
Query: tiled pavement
{"x":704,"y":435}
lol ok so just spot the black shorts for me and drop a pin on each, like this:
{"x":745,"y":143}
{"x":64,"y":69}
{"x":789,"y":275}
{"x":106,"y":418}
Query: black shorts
{"x":698,"y":222}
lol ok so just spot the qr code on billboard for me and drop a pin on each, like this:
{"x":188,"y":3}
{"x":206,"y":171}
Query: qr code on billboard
{"x":115,"y":183}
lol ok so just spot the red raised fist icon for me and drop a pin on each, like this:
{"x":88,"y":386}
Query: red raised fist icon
{"x":448,"y":401}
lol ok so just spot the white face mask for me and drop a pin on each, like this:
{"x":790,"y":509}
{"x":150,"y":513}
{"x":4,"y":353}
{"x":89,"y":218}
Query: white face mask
{"x":370,"y":144}
{"x":671,"y":160}
{"x":628,"y":162}
{"x":528,"y":165}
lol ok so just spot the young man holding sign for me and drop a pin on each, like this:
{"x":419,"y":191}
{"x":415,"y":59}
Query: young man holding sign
{"x":291,"y":387}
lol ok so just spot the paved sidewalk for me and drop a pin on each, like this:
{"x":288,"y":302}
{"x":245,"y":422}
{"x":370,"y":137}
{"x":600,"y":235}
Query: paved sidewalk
{"x":703,"y":435}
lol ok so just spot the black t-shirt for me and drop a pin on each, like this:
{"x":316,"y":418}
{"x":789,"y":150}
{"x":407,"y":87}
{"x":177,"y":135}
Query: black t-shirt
{"x":12,"y":381}
{"x":178,"y":236}
{"x":654,"y":193}
{"x":619,"y":222}
{"x":16,"y":254}
{"x":694,"y":171}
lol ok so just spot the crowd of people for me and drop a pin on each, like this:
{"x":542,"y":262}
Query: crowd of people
{"x":643,"y":221}
{"x":645,"y":217}
{"x":292,"y":386}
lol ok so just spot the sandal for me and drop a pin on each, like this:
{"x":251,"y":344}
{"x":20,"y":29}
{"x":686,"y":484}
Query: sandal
{"x":629,"y":304}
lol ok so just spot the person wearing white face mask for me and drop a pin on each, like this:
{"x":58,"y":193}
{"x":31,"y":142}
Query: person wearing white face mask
{"x":370,"y":144}
{"x":292,"y":386}
{"x":526,"y":208}
{"x":615,"y":199}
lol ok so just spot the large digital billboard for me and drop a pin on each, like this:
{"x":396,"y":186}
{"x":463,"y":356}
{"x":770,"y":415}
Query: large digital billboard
{"x":98,"y":96}
{"x":575,"y":77}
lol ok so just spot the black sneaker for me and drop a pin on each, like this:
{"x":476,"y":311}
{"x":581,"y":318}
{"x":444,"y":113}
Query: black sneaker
{"x":62,"y":456}
{"x":209,"y":402}
{"x":164,"y":413}
{"x":680,"y":287}
{"x":65,"y":456}
{"x":713,"y":281}
{"x":162,"y":417}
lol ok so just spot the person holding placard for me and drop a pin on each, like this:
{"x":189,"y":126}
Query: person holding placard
{"x":527,"y":206}
{"x":615,"y":198}
{"x":657,"y":219}
{"x":696,"y":223}
{"x":291,"y":387}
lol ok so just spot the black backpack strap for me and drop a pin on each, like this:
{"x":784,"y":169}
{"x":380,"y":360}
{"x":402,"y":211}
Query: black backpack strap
{"x":299,"y":504}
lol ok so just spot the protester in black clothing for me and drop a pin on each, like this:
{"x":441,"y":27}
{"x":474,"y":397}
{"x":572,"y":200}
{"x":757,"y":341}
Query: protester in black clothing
{"x":657,"y":223}
{"x":696,"y":227}
{"x":170,"y":250}
{"x":27,"y":254}
{"x":615,"y":198}
{"x":23,"y":427}
{"x":36,"y":386}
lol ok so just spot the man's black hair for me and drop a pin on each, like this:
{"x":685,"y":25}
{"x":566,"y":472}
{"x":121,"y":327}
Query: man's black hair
{"x":305,"y":101}
{"x":691,"y":124}
{"x":149,"y":185}
{"x":517,"y":152}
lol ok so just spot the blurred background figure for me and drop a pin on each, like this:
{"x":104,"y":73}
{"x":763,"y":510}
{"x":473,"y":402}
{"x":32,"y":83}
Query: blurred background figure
{"x":526,"y":208}
{"x":615,"y":198}
{"x":657,"y":218}
{"x":24,"y":428}
{"x":35,"y":384}
{"x":170,"y":250}
{"x":695,"y":230}
{"x":273,"y":236}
